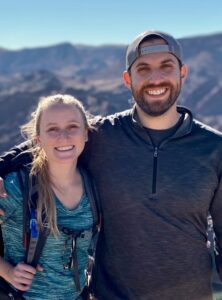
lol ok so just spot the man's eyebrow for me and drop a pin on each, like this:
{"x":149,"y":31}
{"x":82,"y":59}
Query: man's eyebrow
{"x":168,"y":60}
{"x":165,"y":61}
{"x":140,"y":64}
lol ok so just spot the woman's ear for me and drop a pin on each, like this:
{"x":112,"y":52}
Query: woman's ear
{"x":37,"y":140}
{"x":127,"y":79}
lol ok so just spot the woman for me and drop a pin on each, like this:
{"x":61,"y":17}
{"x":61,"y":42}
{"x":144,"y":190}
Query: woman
{"x":60,"y":128}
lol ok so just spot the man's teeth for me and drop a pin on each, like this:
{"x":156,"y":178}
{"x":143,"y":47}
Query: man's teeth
{"x":157,"y":92}
{"x":64,"y":148}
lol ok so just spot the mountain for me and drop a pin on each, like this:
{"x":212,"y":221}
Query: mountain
{"x":94,"y":75}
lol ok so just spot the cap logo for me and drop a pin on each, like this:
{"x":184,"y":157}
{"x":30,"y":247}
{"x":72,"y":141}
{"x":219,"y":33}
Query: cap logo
{"x":154,"y":49}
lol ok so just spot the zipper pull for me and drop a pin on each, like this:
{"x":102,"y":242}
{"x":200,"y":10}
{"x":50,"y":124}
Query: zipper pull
{"x":155,"y":152}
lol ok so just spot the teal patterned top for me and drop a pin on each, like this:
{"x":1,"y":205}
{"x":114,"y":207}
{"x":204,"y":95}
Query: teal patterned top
{"x":55,"y":282}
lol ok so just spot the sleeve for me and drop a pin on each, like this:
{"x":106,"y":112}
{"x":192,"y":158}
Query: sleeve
{"x":14,"y":158}
{"x":14,"y":199}
{"x":216,"y":214}
{"x":85,"y":157}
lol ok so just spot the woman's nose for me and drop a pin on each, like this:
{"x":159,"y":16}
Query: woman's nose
{"x":63,"y":133}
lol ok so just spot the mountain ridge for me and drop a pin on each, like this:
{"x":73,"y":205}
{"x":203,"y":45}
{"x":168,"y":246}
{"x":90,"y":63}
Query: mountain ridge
{"x":94,"y":75}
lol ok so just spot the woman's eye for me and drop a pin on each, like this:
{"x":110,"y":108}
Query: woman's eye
{"x":71,"y":127}
{"x":52,"y":129}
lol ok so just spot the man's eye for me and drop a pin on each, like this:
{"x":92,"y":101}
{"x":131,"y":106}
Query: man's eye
{"x":143,"y":70}
{"x":167,"y":67}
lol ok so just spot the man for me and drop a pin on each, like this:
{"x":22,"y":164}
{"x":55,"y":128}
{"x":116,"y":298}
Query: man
{"x":158,"y":172}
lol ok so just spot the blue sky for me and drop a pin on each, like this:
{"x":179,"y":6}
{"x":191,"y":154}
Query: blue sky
{"x":32,"y":23}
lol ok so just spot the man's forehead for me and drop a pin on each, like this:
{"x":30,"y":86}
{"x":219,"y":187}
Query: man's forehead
{"x":155,"y":58}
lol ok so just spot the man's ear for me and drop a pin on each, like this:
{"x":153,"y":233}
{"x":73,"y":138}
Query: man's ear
{"x":127,"y":79}
{"x":183,"y":72}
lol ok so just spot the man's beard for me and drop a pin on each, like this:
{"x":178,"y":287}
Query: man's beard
{"x":156,"y":108}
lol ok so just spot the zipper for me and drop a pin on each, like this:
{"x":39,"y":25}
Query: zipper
{"x":155,"y":156}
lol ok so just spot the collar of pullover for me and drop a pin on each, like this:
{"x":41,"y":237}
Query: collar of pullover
{"x":184,"y":129}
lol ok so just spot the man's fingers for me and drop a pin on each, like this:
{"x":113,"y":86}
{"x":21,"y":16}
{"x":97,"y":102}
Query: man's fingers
{"x":3,"y":193}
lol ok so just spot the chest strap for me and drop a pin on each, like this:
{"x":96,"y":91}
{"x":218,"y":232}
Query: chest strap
{"x":73,"y":259}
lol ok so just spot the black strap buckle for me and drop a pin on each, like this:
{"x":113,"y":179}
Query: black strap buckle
{"x":72,"y":264}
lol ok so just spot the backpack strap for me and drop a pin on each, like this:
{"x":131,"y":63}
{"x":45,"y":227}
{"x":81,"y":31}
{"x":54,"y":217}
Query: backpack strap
{"x":33,"y":239}
{"x":92,"y":193}
{"x":33,"y":249}
{"x":24,"y":185}
{"x":73,"y":259}
{"x":1,"y":243}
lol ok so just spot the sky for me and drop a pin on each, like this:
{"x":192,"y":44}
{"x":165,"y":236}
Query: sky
{"x":37,"y":23}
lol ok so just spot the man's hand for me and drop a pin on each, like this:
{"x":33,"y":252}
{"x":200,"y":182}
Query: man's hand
{"x":3,"y":193}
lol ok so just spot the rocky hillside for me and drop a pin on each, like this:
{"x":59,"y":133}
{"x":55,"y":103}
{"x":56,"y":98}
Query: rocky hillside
{"x":94,"y":75}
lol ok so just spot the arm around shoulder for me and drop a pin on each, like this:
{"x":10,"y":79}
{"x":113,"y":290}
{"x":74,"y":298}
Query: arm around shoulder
{"x":11,"y":159}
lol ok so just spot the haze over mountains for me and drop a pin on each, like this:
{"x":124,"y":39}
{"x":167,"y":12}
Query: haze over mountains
{"x":94,"y":75}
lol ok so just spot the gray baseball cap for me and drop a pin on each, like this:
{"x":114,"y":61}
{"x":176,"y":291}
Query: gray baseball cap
{"x":134,"y":50}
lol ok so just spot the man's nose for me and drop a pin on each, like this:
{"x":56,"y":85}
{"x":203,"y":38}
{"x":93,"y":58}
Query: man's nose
{"x":156,"y":76}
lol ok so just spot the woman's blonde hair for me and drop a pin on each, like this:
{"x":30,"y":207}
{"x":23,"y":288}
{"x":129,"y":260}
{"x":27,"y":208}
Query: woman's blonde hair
{"x":39,"y":166}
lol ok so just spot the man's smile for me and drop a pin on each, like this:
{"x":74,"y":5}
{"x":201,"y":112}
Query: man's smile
{"x":156,"y":91}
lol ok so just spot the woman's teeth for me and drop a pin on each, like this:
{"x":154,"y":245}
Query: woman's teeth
{"x":67,"y":148}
